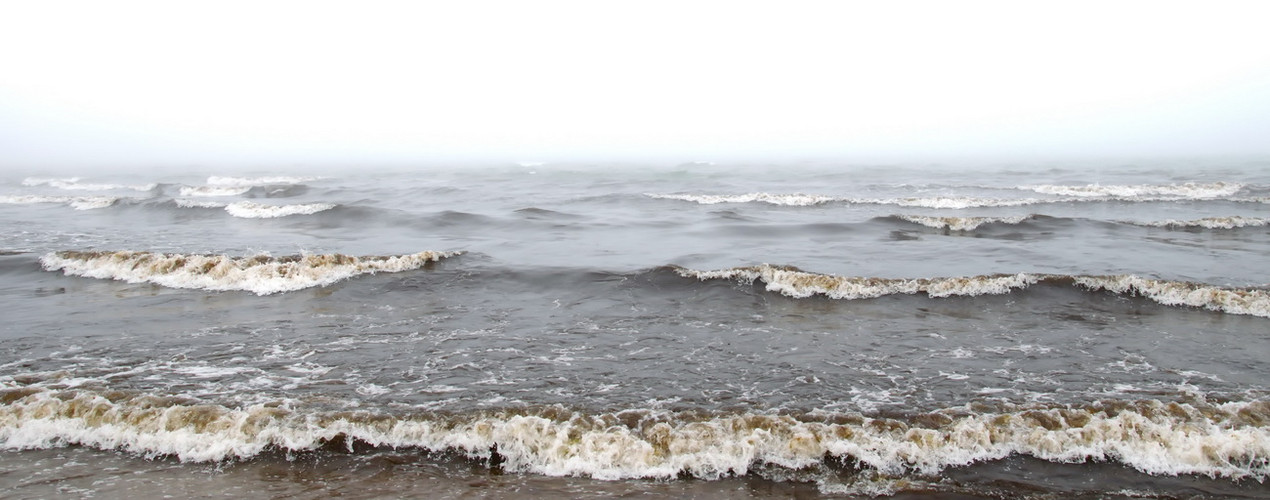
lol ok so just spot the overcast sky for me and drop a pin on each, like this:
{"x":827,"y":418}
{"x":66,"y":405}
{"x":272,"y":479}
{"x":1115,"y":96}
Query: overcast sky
{"x":119,"y":83}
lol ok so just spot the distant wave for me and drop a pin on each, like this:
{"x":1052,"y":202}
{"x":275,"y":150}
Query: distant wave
{"x":260,"y":274}
{"x":214,"y":190}
{"x":257,"y":181}
{"x":803,"y":200}
{"x":253,"y":210}
{"x":1220,"y":440}
{"x":961,"y":223}
{"x":796,"y":283}
{"x":76,"y":202}
{"x":797,"y":199}
{"x":73,"y":184}
{"x":1189,"y":190}
{"x":1233,"y":222}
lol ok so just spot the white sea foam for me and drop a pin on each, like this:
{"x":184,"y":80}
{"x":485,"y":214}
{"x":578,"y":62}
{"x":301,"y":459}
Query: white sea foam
{"x":1175,"y":293}
{"x":1233,"y":222}
{"x":796,"y":283}
{"x":961,"y":223}
{"x":1189,"y":190}
{"x":952,"y":202}
{"x":214,"y":190}
{"x":253,"y":210}
{"x":1227,"y":440}
{"x":73,"y":184}
{"x":259,"y":274}
{"x":800,"y":284}
{"x":183,"y":203}
{"x":76,"y":202}
{"x":257,"y":181}
{"x":796,"y":199}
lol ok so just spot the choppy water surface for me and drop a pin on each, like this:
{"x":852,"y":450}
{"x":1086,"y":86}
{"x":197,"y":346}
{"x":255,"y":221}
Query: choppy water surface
{"x":700,"y":330}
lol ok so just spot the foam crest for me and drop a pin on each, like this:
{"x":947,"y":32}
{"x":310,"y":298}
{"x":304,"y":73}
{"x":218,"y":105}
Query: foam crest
{"x":214,"y":190}
{"x":223,"y":181}
{"x":1176,"y":293}
{"x":1226,"y":440}
{"x":800,"y":284}
{"x":1189,"y":190}
{"x":1233,"y":222}
{"x":183,"y":203}
{"x":961,"y":223}
{"x":260,"y":274}
{"x":76,"y":202}
{"x":797,"y":283}
{"x":74,"y":184}
{"x":253,"y":210}
{"x":952,"y":202}
{"x":796,"y":199}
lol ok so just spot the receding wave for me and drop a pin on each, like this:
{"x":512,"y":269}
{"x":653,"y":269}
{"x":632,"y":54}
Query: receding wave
{"x":214,"y":190}
{"x":961,"y":223}
{"x":1219,"y":440}
{"x":74,"y":184}
{"x":76,"y":202}
{"x":253,"y":210}
{"x":260,"y":274}
{"x":796,"y":283}
{"x":224,"y":181}
{"x":1189,"y":190}
{"x":1233,"y":222}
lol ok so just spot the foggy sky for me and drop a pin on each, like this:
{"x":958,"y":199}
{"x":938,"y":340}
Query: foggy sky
{"x":167,"y":83}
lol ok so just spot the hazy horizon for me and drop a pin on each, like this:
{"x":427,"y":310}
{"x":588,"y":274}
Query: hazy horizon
{"x":285,"y":84}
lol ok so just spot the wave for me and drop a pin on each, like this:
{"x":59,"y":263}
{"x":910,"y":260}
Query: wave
{"x":253,"y":210}
{"x":961,"y":223}
{"x":1189,"y":190}
{"x":1233,"y":222}
{"x":221,"y":181}
{"x":796,"y":283}
{"x":76,"y":202}
{"x":260,"y":274}
{"x":1218,"y":440}
{"x":803,"y":200}
{"x":183,"y":203}
{"x":73,"y":184}
{"x":796,"y":199}
{"x":214,"y":190}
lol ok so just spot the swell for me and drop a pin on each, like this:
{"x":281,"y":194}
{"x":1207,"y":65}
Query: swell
{"x":1230,"y":440}
{"x":259,"y":274}
{"x":953,"y":223}
{"x":793,"y":282}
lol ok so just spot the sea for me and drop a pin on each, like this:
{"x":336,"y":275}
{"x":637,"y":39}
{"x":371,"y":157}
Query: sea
{"x":706,"y":330}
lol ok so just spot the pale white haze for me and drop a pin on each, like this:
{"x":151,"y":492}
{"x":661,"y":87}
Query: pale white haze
{"x":180,"y":83}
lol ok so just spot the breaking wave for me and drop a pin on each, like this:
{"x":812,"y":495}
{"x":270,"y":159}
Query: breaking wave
{"x":76,"y":202}
{"x":961,"y":223}
{"x":1218,"y":440}
{"x":1189,"y":190}
{"x":796,"y":283}
{"x":257,"y":181}
{"x":214,"y":190}
{"x":253,"y":210}
{"x":260,"y":274}
{"x":74,"y":184}
{"x":803,"y":200}
{"x":1233,"y":222}
{"x":796,"y":199}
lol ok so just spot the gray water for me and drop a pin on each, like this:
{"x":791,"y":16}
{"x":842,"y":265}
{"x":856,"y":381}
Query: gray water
{"x":588,"y":330}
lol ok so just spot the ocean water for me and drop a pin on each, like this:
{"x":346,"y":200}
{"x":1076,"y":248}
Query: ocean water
{"x":715,"y":331}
